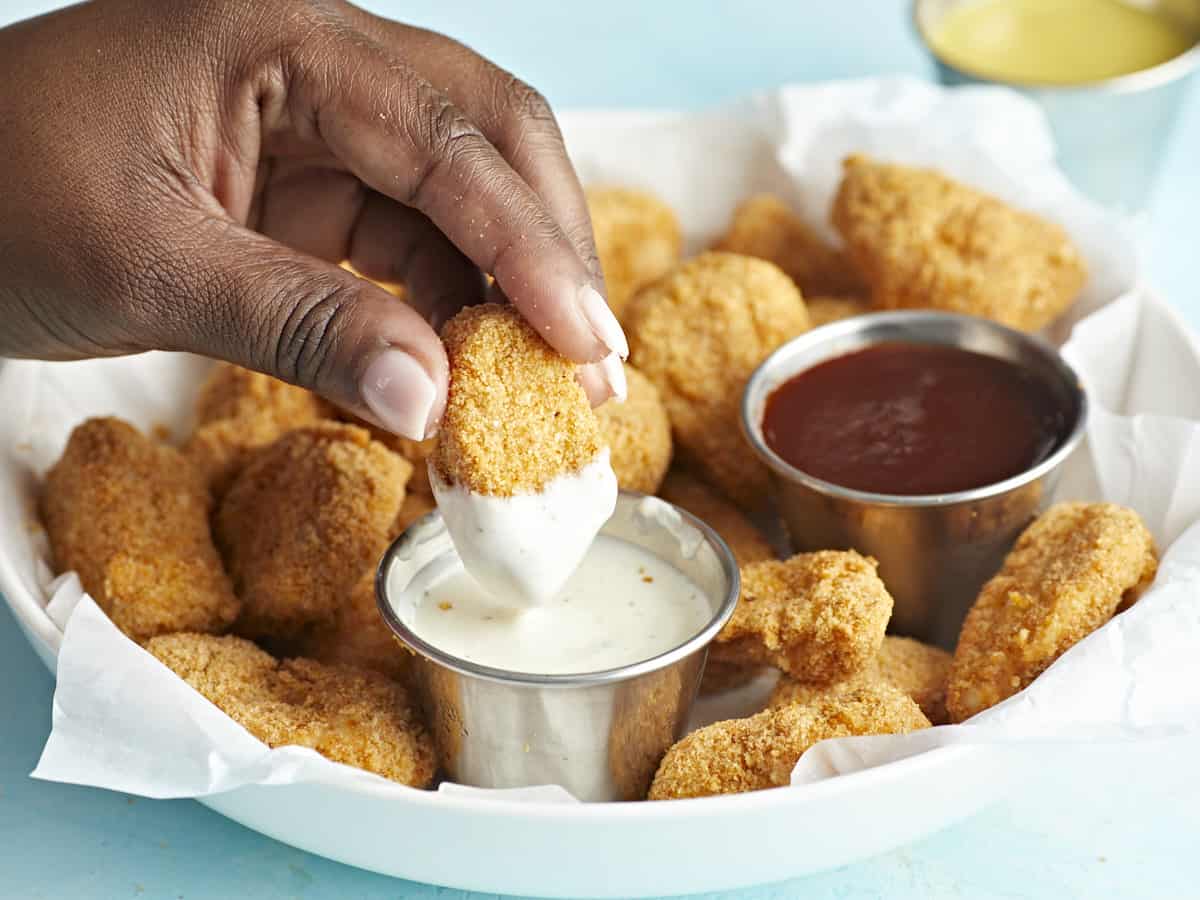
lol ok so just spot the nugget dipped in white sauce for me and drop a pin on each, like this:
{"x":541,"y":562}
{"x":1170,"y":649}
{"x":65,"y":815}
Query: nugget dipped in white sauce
{"x":520,"y":472}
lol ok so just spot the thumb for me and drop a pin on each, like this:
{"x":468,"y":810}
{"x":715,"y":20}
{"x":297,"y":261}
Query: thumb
{"x":257,"y":303}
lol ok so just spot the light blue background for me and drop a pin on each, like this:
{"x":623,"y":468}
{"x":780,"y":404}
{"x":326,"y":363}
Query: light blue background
{"x":1122,"y":822}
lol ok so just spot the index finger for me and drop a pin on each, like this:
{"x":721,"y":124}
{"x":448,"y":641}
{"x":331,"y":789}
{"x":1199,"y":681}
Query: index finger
{"x":406,"y":140}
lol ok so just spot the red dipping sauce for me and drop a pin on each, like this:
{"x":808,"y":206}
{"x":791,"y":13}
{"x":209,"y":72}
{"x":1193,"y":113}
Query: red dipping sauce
{"x":910,"y":419}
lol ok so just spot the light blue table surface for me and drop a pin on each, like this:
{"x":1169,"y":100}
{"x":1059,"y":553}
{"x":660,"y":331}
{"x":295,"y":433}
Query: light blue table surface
{"x":1121,"y":822}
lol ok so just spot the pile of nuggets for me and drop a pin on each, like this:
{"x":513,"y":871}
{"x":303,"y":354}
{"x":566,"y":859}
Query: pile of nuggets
{"x":244,"y":559}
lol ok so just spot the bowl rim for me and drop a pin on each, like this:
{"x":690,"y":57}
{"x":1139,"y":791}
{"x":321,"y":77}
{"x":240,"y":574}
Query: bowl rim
{"x":1176,"y":68}
{"x":752,"y":425}
{"x":573,"y":680}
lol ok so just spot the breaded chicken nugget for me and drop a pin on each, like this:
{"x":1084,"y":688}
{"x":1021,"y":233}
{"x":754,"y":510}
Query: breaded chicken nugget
{"x":306,"y":517}
{"x":749,"y":545}
{"x":638,"y":434}
{"x":823,"y":310}
{"x":764,"y":227}
{"x":924,"y":240}
{"x":358,"y":636}
{"x":1064,"y":578}
{"x":820,"y":616}
{"x":516,"y":417}
{"x":760,"y":752}
{"x":917,"y":669}
{"x":237,"y":411}
{"x":698,"y":334}
{"x":349,"y":715}
{"x":130,"y":516}
{"x":416,"y":452}
{"x":637,"y":238}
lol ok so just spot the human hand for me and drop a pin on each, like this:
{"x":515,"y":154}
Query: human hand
{"x":186,"y":176}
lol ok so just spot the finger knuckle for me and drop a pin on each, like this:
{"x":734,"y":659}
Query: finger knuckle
{"x":448,"y":143}
{"x":310,"y":329}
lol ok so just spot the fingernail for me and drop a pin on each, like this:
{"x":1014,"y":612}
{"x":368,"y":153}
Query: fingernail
{"x":397,"y":389}
{"x":602,"y":321}
{"x":613,"y":371}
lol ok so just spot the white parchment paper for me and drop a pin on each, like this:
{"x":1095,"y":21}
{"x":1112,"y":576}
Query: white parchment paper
{"x":123,"y":721}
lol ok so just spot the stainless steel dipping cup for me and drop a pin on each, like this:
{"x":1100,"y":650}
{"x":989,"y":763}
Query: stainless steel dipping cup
{"x":1111,"y":134}
{"x":935,"y":550}
{"x":601,"y":735}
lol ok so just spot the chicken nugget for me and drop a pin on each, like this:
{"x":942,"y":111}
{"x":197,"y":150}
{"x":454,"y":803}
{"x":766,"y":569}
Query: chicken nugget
{"x":416,"y":452}
{"x":238,"y":411}
{"x":820,"y":616}
{"x":1064,"y":578}
{"x":924,"y":240}
{"x":823,"y":310}
{"x":358,"y":636}
{"x":748,"y":544}
{"x":764,"y":227}
{"x":638,"y":434}
{"x":415,"y":506}
{"x":520,"y":470}
{"x":306,"y":517}
{"x":637,"y":238}
{"x":698,"y":334}
{"x":917,"y":669}
{"x":760,"y":752}
{"x":349,"y":715}
{"x":130,"y":516}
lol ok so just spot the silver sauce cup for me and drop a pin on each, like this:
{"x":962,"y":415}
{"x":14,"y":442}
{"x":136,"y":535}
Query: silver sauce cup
{"x":1110,"y":134}
{"x":935,"y":551}
{"x":601,"y":735}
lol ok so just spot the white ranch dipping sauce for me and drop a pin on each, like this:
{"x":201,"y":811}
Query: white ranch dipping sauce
{"x":621,"y":606}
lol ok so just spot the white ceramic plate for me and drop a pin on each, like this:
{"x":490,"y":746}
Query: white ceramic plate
{"x":627,"y":850}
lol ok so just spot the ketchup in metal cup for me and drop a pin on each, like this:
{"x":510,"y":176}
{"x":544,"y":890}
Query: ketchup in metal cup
{"x":914,"y":419}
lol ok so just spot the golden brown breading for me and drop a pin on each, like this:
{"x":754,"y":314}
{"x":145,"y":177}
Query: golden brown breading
{"x":749,"y":545}
{"x":698,"y":334}
{"x":823,"y":310}
{"x":237,"y":411}
{"x":760,"y":752}
{"x":917,"y":669}
{"x":637,"y":238}
{"x":358,"y":636}
{"x":1064,"y":578}
{"x":516,"y":417}
{"x":638,"y":434}
{"x":818,"y":616}
{"x":416,"y":452}
{"x":349,"y":715}
{"x":130,"y":516}
{"x":924,"y":240}
{"x":764,"y":227}
{"x":306,"y":517}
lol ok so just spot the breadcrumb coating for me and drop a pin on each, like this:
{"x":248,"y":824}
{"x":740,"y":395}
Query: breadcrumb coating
{"x":766,"y":228}
{"x":130,"y":516}
{"x":238,"y":411}
{"x":637,"y":238}
{"x":748,"y":544}
{"x":1064,"y":578}
{"x":416,"y":452}
{"x":348,"y":715}
{"x":925,"y":240}
{"x":917,"y":669}
{"x":304,"y":520}
{"x":638,"y":434}
{"x":823,"y":310}
{"x":698,"y":334}
{"x":358,"y":636}
{"x":516,"y":417}
{"x":760,"y":752}
{"x":820,"y":616}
